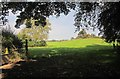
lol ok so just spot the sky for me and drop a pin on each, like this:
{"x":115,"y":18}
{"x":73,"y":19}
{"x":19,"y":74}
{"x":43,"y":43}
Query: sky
{"x":62,"y":27}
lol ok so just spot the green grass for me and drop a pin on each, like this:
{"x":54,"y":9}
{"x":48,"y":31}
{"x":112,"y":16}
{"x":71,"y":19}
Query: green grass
{"x":91,"y":50}
{"x":79,"y":46}
{"x":77,"y":43}
{"x":83,"y":58}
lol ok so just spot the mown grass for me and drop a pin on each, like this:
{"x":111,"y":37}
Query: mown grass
{"x":78,"y":43}
{"x":79,"y":46}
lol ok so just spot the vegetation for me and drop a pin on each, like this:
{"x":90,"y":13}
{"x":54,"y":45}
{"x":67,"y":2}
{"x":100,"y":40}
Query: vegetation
{"x":38,"y":11}
{"x":83,"y":58}
{"x":36,"y":34}
{"x":104,"y":16}
{"x":10,"y":41}
{"x":37,"y":43}
{"x":11,"y":47}
{"x":89,"y":14}
{"x":109,"y":21}
{"x":68,"y":59}
{"x":64,"y":47}
{"x":84,"y":34}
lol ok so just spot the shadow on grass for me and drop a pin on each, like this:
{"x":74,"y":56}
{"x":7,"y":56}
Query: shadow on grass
{"x":94,"y":61}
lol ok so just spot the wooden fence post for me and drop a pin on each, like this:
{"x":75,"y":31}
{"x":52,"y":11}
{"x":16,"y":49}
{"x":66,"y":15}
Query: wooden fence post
{"x":26,"y":47}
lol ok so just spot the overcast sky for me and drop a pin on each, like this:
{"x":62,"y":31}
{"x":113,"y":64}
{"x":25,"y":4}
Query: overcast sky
{"x":62,"y":27}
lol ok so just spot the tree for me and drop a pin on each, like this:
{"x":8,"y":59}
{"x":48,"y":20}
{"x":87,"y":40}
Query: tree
{"x":109,"y":22}
{"x":82,"y":34}
{"x":104,"y":16}
{"x":38,"y":11}
{"x":35,"y":33}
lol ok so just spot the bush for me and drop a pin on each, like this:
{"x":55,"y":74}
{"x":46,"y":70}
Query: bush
{"x":43,"y":43}
{"x":37,"y":43}
{"x":10,"y":41}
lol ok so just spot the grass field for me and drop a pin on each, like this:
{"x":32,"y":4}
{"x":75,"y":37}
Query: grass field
{"x":84,"y":58}
{"x":77,"y":43}
{"x":79,"y":46}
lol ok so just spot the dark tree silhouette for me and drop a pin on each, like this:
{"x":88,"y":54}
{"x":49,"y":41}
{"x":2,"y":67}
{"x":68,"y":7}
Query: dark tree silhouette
{"x":109,"y":22}
{"x":37,"y":10}
{"x":104,"y":16}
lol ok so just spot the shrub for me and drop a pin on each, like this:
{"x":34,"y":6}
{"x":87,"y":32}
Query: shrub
{"x":37,"y":43}
{"x":9,"y":40}
{"x":40,"y":43}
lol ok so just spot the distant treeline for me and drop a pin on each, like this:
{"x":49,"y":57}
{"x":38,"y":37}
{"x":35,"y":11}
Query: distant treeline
{"x":56,"y":40}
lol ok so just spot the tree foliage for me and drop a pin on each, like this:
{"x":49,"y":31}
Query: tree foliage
{"x":104,"y":16}
{"x":36,"y":10}
{"x":35,"y":33}
{"x":84,"y":34}
{"x":109,"y":22}
{"x":9,"y":40}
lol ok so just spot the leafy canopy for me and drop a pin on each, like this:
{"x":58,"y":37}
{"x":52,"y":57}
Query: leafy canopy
{"x":36,"y":10}
{"x":104,"y":16}
{"x":35,"y":33}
